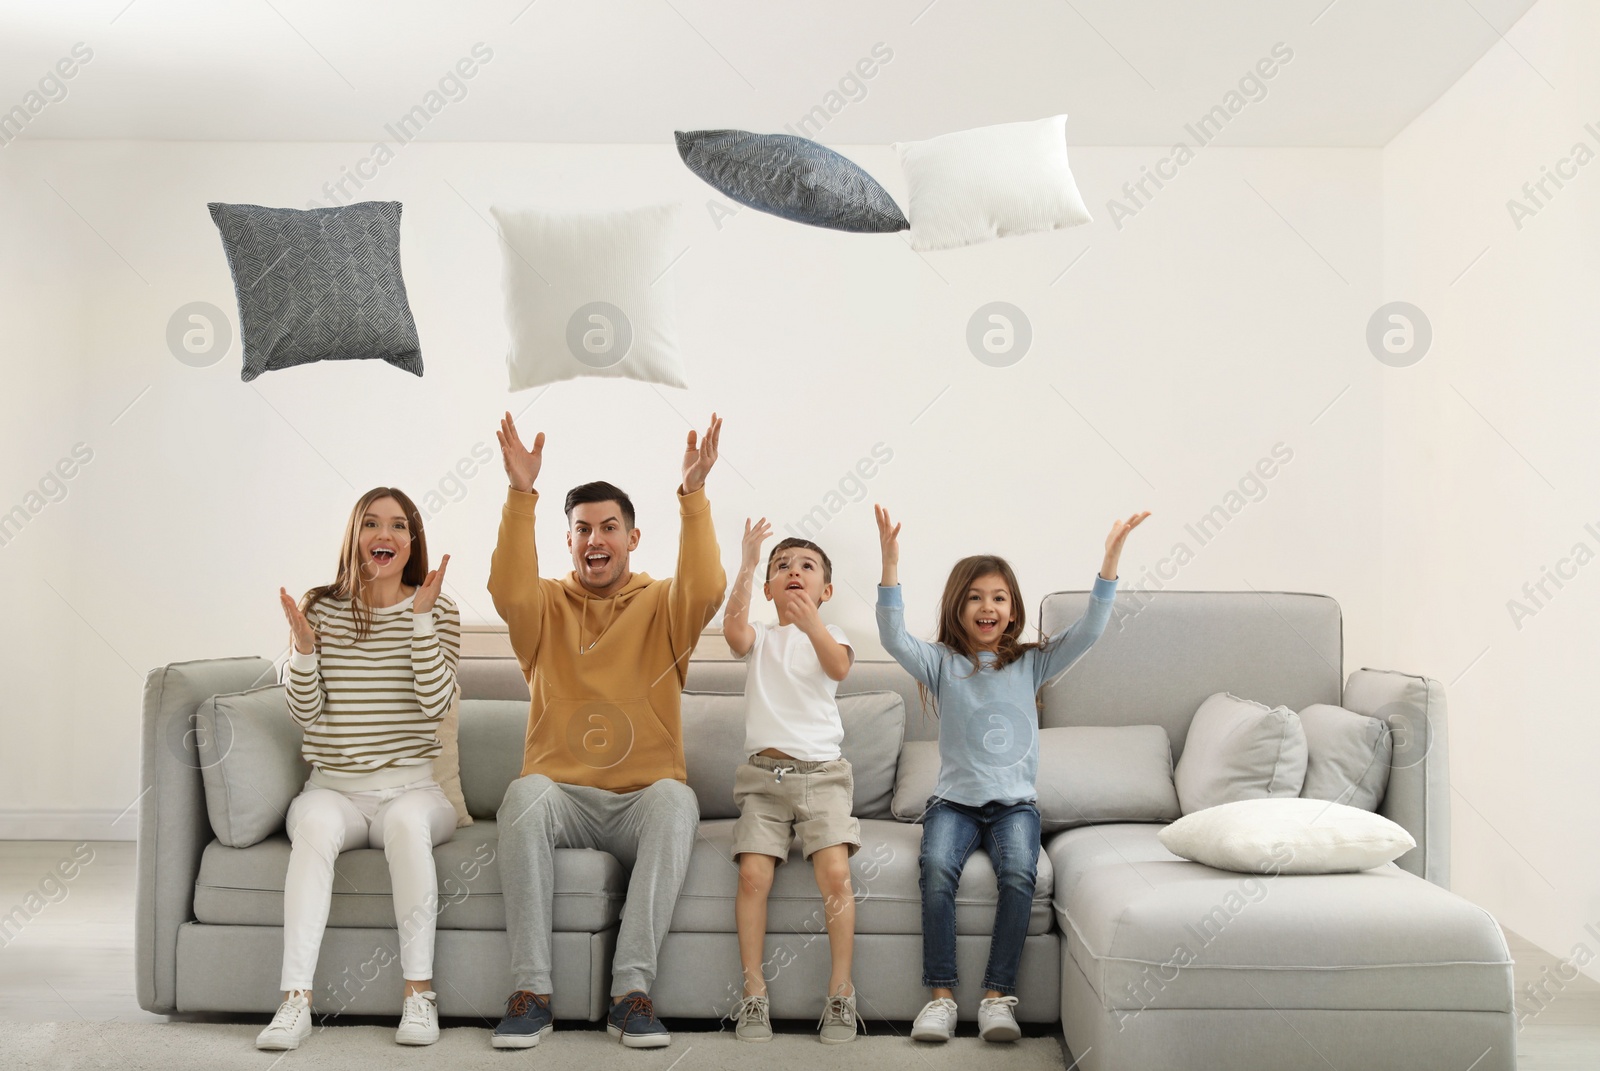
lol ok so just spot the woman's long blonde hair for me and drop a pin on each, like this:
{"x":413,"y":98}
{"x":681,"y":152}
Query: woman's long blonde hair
{"x":349,"y":583}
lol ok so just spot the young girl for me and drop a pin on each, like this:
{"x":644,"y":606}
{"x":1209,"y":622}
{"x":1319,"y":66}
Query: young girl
{"x":985,"y":686}
{"x":373,"y":671}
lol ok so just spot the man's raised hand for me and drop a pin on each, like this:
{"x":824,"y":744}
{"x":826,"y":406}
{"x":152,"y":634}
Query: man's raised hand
{"x":698,"y":459}
{"x":522,"y":464}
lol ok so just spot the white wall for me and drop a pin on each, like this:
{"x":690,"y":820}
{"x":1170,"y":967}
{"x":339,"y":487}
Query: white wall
{"x":1220,"y":320}
{"x":1489,"y":471}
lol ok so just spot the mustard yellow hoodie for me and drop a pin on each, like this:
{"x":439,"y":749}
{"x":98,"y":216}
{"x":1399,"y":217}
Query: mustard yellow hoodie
{"x":605,"y":674}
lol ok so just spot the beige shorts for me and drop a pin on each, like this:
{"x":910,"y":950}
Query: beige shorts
{"x":813,"y":799}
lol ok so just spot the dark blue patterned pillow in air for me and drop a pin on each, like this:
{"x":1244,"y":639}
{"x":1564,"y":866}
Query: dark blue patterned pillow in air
{"x":319,"y":284}
{"x":791,"y":177}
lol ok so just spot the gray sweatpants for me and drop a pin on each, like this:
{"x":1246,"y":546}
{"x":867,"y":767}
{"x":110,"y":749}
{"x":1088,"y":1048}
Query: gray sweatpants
{"x":650,"y":832}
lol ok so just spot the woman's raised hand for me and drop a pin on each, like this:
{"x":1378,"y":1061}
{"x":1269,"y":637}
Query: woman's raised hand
{"x":423,"y":602}
{"x":522,"y":464}
{"x":301,"y":634}
{"x":888,"y":545}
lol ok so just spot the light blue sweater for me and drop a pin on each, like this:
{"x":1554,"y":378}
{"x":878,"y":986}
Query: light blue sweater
{"x":988,"y":719}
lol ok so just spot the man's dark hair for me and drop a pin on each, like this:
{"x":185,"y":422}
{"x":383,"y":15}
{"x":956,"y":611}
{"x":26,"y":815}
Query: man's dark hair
{"x":600,"y":491}
{"x":790,"y":544}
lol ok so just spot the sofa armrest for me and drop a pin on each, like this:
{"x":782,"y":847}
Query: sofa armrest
{"x":173,"y":825}
{"x":1418,"y":796}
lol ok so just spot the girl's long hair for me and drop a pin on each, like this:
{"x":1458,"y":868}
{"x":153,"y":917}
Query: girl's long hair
{"x":349,"y":582}
{"x":953,"y":634}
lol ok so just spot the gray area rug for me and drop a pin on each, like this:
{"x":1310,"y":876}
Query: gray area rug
{"x":137,"y":1046}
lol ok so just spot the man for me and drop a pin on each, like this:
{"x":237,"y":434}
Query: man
{"x":605,"y":651}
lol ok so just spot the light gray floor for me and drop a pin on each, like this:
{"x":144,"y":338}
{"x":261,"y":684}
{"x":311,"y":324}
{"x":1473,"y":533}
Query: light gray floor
{"x":73,"y":963}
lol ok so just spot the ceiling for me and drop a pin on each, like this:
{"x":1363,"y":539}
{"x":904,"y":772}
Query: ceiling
{"x":1127,"y":72}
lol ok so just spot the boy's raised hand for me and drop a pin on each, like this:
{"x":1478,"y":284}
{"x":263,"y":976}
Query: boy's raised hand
{"x":522,"y":464}
{"x":301,"y":633}
{"x":423,"y":602}
{"x":754,"y":535}
{"x":888,"y":545}
{"x":1115,"y":540}
{"x":698,"y":459}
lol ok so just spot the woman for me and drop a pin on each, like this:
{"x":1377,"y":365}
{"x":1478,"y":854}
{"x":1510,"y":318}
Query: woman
{"x":372,"y":671}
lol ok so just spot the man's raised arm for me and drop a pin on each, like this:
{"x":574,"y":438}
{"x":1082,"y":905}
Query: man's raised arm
{"x":514,"y":569}
{"x":699,"y":583}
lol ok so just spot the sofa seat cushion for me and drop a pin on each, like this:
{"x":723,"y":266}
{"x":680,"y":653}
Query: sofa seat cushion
{"x":244,"y":886}
{"x":1151,"y":930}
{"x":885,"y":873}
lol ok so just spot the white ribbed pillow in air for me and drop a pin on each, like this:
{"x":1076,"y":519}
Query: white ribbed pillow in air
{"x":587,"y":294}
{"x":990,"y":182}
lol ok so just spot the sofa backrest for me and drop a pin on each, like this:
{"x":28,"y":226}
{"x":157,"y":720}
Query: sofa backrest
{"x":501,"y":678}
{"x":1165,"y":652}
{"x":491,"y":733}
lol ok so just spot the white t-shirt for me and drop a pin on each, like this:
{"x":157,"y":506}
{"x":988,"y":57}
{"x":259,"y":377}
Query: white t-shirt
{"x":789,"y":700}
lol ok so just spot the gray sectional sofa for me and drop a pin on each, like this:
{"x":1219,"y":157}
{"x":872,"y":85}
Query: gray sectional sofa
{"x":1145,"y":959}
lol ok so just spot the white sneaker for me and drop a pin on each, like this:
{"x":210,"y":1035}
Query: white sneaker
{"x":419,"y":1020}
{"x":996,"y":1022}
{"x":936,"y":1021}
{"x":290,"y":1026}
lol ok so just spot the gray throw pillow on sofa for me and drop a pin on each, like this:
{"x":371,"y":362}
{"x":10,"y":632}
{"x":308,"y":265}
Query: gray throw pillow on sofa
{"x":1347,"y":756}
{"x":249,"y":752}
{"x":915,"y":779}
{"x":1240,"y":750}
{"x":713,"y":748}
{"x":1087,"y":774}
{"x":318,"y":284}
{"x":791,"y":177}
{"x":1105,"y":773}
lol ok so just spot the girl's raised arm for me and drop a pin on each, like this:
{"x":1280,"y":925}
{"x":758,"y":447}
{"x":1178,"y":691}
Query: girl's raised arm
{"x":1068,"y":645}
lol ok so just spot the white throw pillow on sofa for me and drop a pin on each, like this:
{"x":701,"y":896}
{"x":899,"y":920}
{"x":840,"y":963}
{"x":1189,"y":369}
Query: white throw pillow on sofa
{"x":1240,"y":750}
{"x":587,"y":294}
{"x":1287,"y":836}
{"x":990,"y":182}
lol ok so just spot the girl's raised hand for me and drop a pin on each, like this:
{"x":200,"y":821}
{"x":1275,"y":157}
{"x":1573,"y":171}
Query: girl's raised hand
{"x":888,"y":537}
{"x":754,"y":536}
{"x":1114,"y":541}
{"x":429,"y":591}
{"x":889,"y":545}
{"x":522,"y":464}
{"x":301,"y":634}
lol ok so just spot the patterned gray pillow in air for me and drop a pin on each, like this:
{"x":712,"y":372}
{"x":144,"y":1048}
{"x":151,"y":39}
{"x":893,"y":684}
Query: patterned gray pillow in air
{"x":319,"y":284}
{"x":791,"y":177}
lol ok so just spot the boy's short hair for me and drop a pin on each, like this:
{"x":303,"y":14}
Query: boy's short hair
{"x":600,"y":491}
{"x":790,"y":544}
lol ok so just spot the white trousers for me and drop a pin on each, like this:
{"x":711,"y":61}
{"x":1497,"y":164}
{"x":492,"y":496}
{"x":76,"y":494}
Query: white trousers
{"x":406,"y":821}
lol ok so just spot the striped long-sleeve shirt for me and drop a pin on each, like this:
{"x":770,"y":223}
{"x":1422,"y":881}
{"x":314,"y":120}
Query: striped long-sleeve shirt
{"x":369,"y":707}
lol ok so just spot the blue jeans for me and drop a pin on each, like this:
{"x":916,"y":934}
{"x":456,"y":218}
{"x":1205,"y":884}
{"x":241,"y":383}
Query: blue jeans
{"x":951,"y":832}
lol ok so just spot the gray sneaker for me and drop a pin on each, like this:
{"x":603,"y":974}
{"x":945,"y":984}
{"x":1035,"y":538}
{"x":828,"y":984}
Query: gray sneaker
{"x":839,"y":1023}
{"x":753,"y":1019}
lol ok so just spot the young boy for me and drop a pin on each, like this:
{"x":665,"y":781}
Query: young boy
{"x":796,"y":778}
